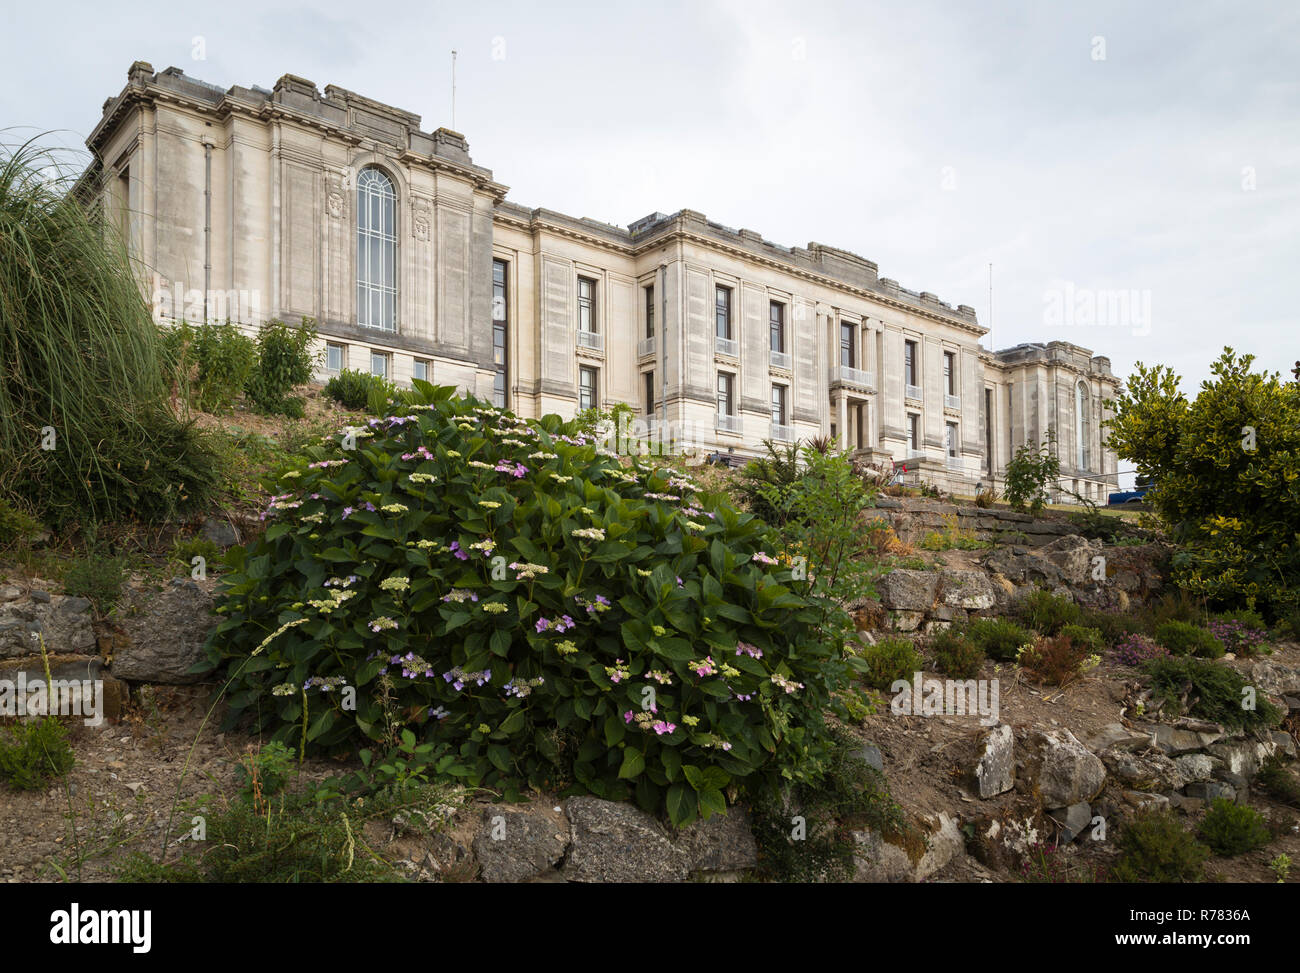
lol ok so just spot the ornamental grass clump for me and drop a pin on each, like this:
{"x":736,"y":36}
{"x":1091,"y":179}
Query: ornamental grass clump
{"x":536,"y":610}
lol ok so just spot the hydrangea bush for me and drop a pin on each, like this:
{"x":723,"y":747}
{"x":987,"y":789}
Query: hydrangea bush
{"x":540,"y":611}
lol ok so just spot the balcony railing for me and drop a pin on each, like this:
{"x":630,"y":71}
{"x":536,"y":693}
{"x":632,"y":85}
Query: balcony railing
{"x":955,"y":463}
{"x":727,"y":346}
{"x":952,"y":401}
{"x":916,"y":454}
{"x":727,"y":423}
{"x":853,"y":376}
{"x":780,"y":359}
{"x":591,"y":339}
{"x":782,"y":434}
{"x":912,"y":391}
{"x":645,"y":347}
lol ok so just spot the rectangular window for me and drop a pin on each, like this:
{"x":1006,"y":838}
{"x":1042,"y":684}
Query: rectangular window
{"x":722,"y":311}
{"x":334,"y":357}
{"x":379,"y":364}
{"x":650,"y":311}
{"x":778,"y":405}
{"x":420,"y":370}
{"x":500,"y":329}
{"x":914,"y":432}
{"x":949,"y":373}
{"x":776,"y":325}
{"x":649,"y":393}
{"x":587,"y":380}
{"x":726,"y":397}
{"x":586,"y":305}
{"x":847,"y":357}
{"x":951,"y":440}
{"x":909,"y":362}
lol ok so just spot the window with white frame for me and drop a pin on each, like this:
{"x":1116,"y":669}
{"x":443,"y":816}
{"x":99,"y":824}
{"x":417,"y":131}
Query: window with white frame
{"x":376,"y":251}
{"x":379,"y":364}
{"x":335,"y":357}
{"x":588,"y":379}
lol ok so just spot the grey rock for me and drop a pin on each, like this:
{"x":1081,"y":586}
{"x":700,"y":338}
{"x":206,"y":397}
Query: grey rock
{"x":614,"y":842}
{"x":1195,"y":766}
{"x":1073,"y":820}
{"x":1118,"y":736}
{"x":909,"y":590}
{"x":1272,"y":677}
{"x":970,"y":590}
{"x":1243,"y":757}
{"x":877,"y":860}
{"x":1208,"y":790}
{"x":166,"y":636}
{"x":995,"y":771}
{"x":1064,"y":771}
{"x":9,"y":593}
{"x":515,"y":846}
{"x":64,"y":623}
{"x":41,"y":597}
{"x":1284,"y":743}
{"x":1175,"y":741}
{"x":1143,"y":772}
{"x":220,"y":532}
{"x":1073,"y":555}
{"x":869,"y":754}
{"x":906,"y":621}
{"x":723,"y":843}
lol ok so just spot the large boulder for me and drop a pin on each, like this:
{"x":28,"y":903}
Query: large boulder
{"x":995,"y":771}
{"x":165,"y":632}
{"x":1062,"y":771}
{"x":64,"y":623}
{"x":907,"y":590}
{"x":878,"y":860}
{"x":515,"y":846}
{"x":970,"y":590}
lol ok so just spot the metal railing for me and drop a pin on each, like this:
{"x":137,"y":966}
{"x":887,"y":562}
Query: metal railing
{"x":952,"y":401}
{"x":782,"y":434}
{"x":591,"y":339}
{"x":645,"y":347}
{"x":854,"y":376}
{"x":727,"y":423}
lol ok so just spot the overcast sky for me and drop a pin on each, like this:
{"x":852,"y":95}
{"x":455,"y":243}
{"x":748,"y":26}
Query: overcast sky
{"x":1087,"y":150}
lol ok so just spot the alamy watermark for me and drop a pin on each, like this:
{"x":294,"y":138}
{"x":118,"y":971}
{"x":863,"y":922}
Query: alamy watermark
{"x":175,"y":302}
{"x":946,"y":697}
{"x":61,"y":697}
{"x":1068,"y":306}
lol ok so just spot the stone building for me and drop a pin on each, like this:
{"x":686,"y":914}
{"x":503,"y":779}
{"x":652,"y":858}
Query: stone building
{"x":247,"y":204}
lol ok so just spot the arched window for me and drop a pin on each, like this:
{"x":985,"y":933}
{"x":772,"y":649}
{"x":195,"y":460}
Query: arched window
{"x":1082,"y":424}
{"x":376,"y":251}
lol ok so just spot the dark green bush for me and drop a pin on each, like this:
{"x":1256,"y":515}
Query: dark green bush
{"x":352,"y":389}
{"x":1029,"y":472}
{"x":1045,"y":612}
{"x":1114,"y":627}
{"x":1233,"y":829}
{"x":214,"y":360}
{"x":957,"y":656}
{"x":999,"y":638}
{"x":33,"y":753}
{"x":1214,"y":691}
{"x":86,"y":429}
{"x":890,"y":659}
{"x":98,"y":577}
{"x":1279,"y":782}
{"x":1154,"y":847}
{"x":765,"y":481}
{"x":550,"y":616}
{"x":1184,"y":638}
{"x":1088,"y":639}
{"x":15,"y":525}
{"x":285,"y":360}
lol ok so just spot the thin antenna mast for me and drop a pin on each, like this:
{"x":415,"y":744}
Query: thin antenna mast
{"x":992,"y":346}
{"x":453,"y":91}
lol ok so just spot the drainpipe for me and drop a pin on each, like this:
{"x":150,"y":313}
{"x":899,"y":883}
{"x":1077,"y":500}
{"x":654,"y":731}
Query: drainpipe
{"x":207,"y":225}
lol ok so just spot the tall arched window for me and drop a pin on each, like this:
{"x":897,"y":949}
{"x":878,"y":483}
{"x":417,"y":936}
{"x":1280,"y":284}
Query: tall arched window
{"x":376,"y":251}
{"x":1082,"y":425}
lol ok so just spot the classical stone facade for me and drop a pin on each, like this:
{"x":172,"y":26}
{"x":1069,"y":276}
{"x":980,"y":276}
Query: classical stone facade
{"x":247,"y":204}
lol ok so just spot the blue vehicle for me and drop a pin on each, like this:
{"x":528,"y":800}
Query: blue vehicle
{"x":1140,"y":489}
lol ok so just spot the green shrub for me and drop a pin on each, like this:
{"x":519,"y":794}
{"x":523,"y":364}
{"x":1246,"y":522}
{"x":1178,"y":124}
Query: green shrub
{"x":285,"y":360}
{"x":850,"y":795}
{"x":1246,"y":616}
{"x":98,"y":577}
{"x":33,"y":753}
{"x":1154,"y":847}
{"x":501,"y":587}
{"x":1279,"y":782}
{"x":1225,"y":466}
{"x":214,"y":360}
{"x":1183,"y":638}
{"x":1114,"y":627}
{"x":187,"y":549}
{"x":86,"y":430}
{"x":1214,"y":691}
{"x":1233,"y":829}
{"x":1045,"y":612}
{"x":1029,"y":472}
{"x":957,"y":656}
{"x":264,"y":773}
{"x":1054,"y":659}
{"x":1089,"y":639}
{"x":999,"y":638}
{"x":765,"y":482}
{"x":888,"y":660}
{"x":351,"y":388}
{"x":15,"y":525}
